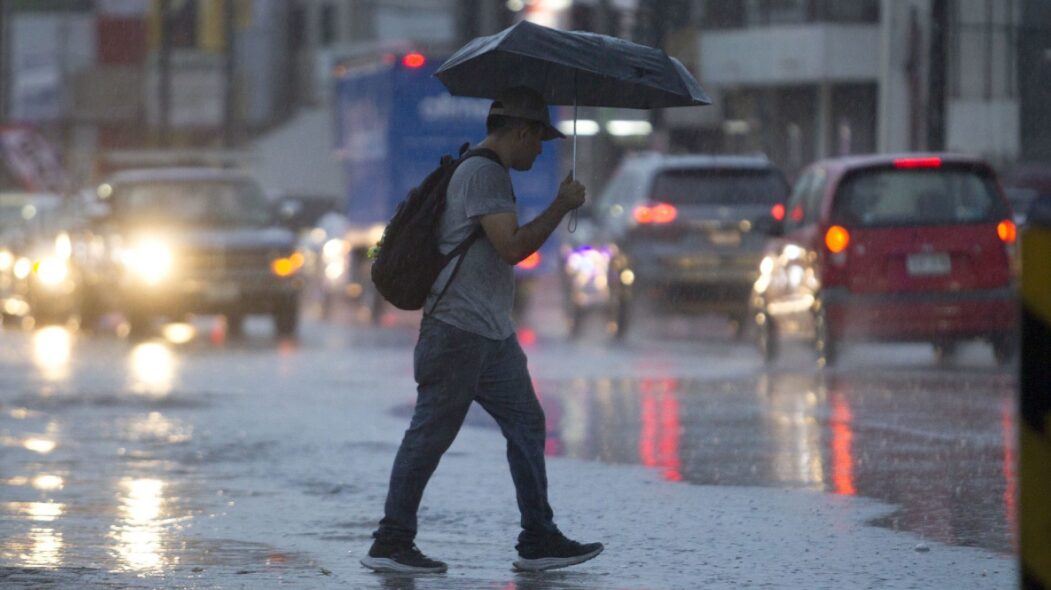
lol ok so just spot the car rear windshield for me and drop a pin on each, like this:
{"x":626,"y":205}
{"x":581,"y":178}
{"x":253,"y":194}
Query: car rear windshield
{"x":225,"y":203}
{"x":722,"y":187}
{"x":895,"y":197}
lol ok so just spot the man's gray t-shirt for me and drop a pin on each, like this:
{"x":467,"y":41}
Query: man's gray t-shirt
{"x":479,"y":299}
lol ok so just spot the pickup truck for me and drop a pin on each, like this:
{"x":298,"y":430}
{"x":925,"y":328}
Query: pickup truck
{"x":178,"y":241}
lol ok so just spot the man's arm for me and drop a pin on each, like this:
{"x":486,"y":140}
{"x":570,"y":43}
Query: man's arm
{"x":515,"y":243}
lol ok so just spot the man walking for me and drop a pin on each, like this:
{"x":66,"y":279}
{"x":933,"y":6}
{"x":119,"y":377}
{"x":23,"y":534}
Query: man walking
{"x":467,"y":349}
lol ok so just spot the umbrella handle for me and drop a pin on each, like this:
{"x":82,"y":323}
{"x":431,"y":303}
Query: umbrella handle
{"x":573,"y":170}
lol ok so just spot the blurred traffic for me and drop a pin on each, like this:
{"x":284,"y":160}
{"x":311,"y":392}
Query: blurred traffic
{"x":822,"y":256}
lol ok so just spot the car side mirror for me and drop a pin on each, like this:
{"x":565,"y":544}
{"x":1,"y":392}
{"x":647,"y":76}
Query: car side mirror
{"x":286,"y":211}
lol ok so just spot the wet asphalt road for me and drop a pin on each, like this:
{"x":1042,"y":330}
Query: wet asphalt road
{"x":115,"y":451}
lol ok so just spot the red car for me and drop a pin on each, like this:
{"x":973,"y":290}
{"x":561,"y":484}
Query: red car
{"x":914,"y":247}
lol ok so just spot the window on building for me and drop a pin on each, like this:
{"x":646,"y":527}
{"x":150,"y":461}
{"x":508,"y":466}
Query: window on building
{"x":729,"y":14}
{"x":776,"y":12}
{"x":328,"y":24}
{"x":719,"y":14}
{"x":982,"y":56}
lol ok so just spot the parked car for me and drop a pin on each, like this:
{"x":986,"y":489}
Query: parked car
{"x":891,"y":248}
{"x":177,"y":241}
{"x":36,"y":275}
{"x":684,"y":231}
{"x":1024,"y":185}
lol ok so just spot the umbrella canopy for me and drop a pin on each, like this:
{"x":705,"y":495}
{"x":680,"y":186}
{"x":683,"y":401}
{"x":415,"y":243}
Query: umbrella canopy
{"x":571,"y":68}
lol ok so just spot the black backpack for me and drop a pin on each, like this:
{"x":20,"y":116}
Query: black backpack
{"x":408,"y":260}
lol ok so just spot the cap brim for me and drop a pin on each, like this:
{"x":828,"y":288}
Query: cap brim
{"x":552,"y":133}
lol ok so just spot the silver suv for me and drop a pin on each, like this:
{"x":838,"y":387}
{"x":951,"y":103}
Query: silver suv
{"x":685,"y":231}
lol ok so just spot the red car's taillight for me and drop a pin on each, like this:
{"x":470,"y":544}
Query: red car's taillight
{"x":655,"y":213}
{"x":1008,"y":231}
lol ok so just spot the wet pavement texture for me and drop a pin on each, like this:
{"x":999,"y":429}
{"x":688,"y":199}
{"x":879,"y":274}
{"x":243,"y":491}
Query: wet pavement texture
{"x":193,"y":460}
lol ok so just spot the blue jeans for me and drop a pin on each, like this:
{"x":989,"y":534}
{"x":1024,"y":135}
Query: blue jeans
{"x":453,"y":368}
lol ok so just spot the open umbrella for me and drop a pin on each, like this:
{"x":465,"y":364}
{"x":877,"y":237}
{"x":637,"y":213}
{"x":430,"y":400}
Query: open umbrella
{"x":571,"y":68}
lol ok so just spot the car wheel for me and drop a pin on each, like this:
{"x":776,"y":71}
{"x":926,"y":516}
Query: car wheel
{"x":767,"y":338}
{"x":90,"y":311}
{"x":826,"y":346}
{"x":944,"y":352}
{"x":140,"y":324}
{"x":575,"y":322}
{"x":620,"y":314}
{"x":376,"y":307}
{"x":1005,"y":349}
{"x":739,"y":322}
{"x":235,"y":324}
{"x":286,"y":316}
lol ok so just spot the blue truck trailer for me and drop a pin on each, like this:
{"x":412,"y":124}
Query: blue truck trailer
{"x":394,"y":121}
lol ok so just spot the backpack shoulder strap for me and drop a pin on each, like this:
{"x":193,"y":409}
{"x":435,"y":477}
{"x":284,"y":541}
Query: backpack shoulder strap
{"x":481,"y":152}
{"x":461,"y":248}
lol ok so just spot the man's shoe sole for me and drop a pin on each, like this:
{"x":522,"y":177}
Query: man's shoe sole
{"x":386,"y":565}
{"x":553,"y":563}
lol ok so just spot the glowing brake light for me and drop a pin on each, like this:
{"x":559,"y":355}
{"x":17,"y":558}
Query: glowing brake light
{"x":657,"y":213}
{"x":530,"y":262}
{"x":778,"y":212}
{"x":837,"y":238}
{"x":1007,"y":230}
{"x":414,"y":60}
{"x":908,"y":163}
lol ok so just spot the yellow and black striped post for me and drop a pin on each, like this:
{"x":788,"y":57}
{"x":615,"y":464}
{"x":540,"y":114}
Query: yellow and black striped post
{"x":1035,"y":407}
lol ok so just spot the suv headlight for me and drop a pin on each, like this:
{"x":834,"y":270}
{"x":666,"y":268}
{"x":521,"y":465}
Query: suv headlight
{"x":149,"y":260}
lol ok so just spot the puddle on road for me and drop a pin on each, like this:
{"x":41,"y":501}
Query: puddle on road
{"x":942,"y":453}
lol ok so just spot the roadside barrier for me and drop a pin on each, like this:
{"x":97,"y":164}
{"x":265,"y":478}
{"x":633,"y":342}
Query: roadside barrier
{"x":1035,"y":405}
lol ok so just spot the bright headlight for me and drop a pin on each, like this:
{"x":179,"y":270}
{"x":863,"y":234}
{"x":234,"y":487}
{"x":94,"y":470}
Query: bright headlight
{"x":22,"y":268}
{"x":51,"y":271}
{"x":288,"y":266}
{"x":149,"y":260}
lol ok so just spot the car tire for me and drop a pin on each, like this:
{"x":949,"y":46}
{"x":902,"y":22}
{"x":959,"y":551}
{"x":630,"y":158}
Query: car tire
{"x":944,"y":352}
{"x":376,"y":307}
{"x":824,"y":343}
{"x":767,"y":339}
{"x":620,"y":314}
{"x":286,"y":316}
{"x":140,"y":324}
{"x":1005,"y":349}
{"x":740,"y":326}
{"x":575,"y":323}
{"x":235,"y":324}
{"x":90,"y":311}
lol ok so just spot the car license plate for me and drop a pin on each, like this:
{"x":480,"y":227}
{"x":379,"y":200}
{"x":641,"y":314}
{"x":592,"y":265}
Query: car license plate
{"x":725,"y":238}
{"x":927,"y":265}
{"x":222,"y":292}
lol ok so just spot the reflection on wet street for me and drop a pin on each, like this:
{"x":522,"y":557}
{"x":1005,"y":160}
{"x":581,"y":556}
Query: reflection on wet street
{"x":942,"y":452}
{"x":132,"y":459}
